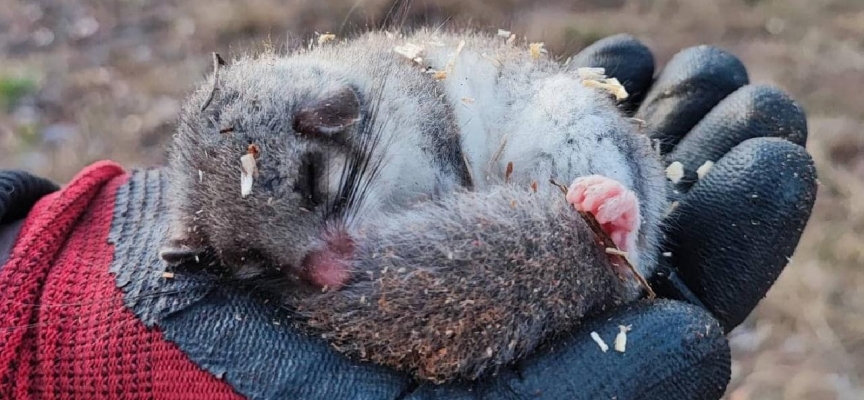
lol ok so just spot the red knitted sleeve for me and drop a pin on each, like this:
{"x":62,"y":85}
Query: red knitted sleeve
{"x":66,"y":331}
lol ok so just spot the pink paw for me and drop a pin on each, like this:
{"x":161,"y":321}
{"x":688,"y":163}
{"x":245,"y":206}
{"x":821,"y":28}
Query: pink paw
{"x":615,"y":207}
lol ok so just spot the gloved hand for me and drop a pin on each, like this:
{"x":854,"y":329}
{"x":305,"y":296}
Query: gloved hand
{"x":730,"y":234}
{"x":726,"y":242}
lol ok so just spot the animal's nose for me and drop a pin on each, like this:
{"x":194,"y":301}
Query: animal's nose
{"x":330,"y":266}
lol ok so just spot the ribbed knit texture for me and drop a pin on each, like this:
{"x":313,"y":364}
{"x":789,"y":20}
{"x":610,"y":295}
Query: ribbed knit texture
{"x":66,"y":331}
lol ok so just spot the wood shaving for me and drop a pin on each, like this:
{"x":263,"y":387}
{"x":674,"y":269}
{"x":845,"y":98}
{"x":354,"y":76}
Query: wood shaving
{"x":249,"y":169}
{"x":614,"y":251}
{"x":468,"y":100}
{"x":610,"y":85}
{"x":168,"y":275}
{"x":327,"y":37}
{"x":504,"y":33}
{"x":452,"y":62}
{"x":675,"y":172}
{"x":621,"y":339}
{"x":536,"y":49}
{"x":596,"y":78}
{"x":704,"y":168}
{"x":597,"y":339}
{"x":410,"y":51}
{"x":586,"y":73}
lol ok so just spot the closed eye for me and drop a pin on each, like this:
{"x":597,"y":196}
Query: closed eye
{"x":309,"y":178}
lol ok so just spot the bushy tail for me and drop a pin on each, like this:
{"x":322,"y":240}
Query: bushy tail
{"x":460,"y":286}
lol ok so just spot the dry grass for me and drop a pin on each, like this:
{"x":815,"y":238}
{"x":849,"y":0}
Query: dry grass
{"x":88,"y":80}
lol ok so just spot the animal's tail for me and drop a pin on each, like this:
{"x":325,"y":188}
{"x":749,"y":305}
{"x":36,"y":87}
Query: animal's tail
{"x":459,"y":286}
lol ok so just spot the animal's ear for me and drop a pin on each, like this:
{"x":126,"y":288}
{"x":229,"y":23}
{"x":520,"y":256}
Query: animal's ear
{"x":329,"y":115}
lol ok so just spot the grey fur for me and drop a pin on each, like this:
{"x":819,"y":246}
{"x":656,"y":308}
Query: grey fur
{"x":255,"y":102}
{"x":499,"y":266}
{"x":462,"y":286}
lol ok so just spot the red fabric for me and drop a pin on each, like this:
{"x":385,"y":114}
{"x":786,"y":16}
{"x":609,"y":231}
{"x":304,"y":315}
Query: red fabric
{"x":66,"y":333}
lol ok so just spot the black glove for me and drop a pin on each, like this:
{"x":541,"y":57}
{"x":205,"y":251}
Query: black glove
{"x":730,"y":235}
{"x":19,"y":190}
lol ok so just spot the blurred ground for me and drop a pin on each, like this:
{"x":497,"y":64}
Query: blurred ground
{"x":87,"y":80}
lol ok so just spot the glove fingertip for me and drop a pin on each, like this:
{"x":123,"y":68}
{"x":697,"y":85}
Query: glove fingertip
{"x":733,"y":234}
{"x":750,"y":112}
{"x":625,"y":58}
{"x":692,"y":83}
{"x":672,"y":350}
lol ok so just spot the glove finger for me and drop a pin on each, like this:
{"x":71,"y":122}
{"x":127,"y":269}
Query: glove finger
{"x":624,"y":58}
{"x":19,"y":190}
{"x":694,"y":81}
{"x":733,"y":233}
{"x":674,"y":350}
{"x":752,"y":111}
